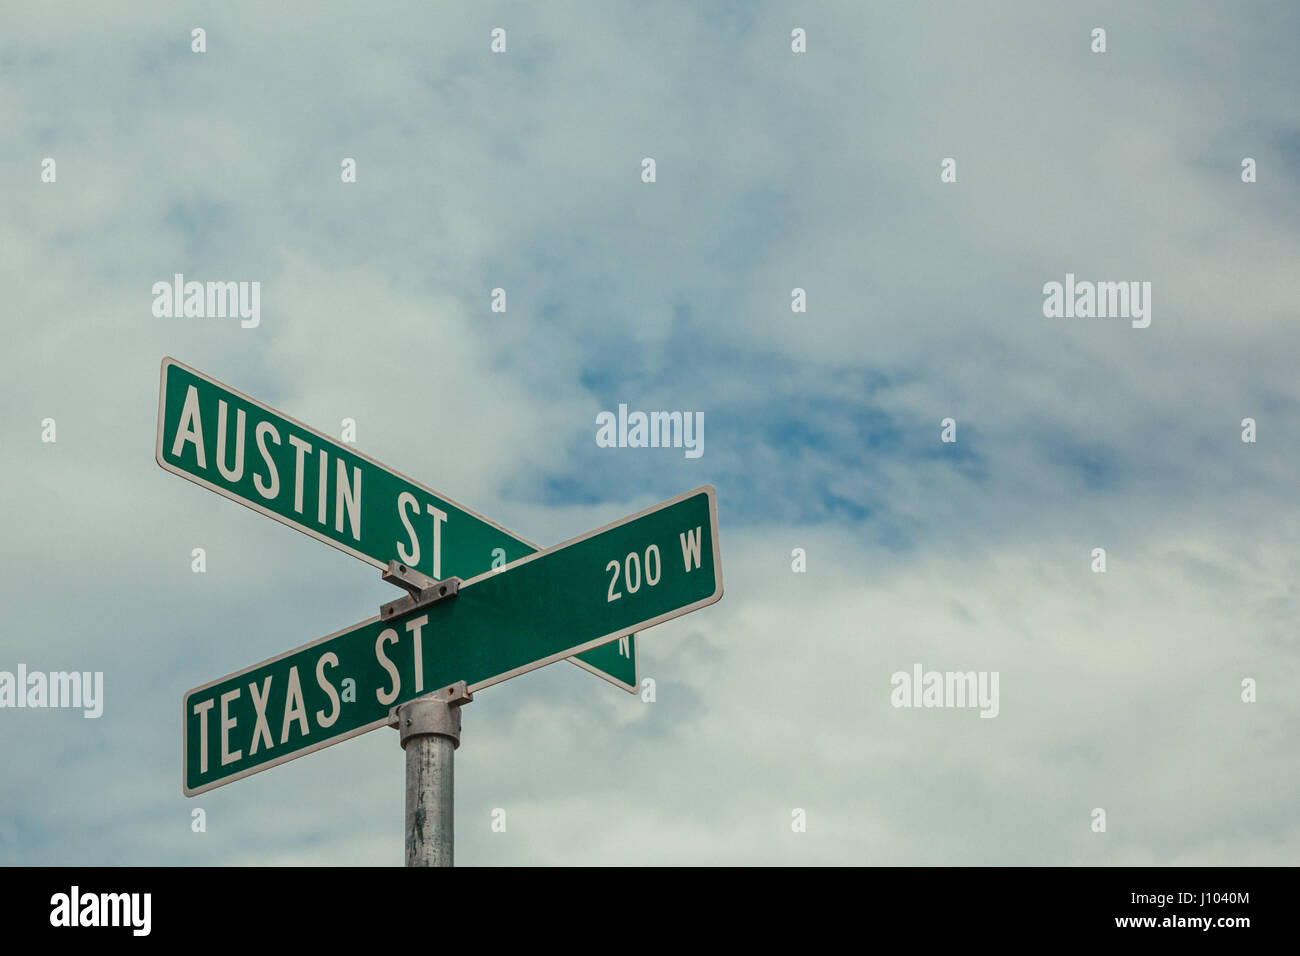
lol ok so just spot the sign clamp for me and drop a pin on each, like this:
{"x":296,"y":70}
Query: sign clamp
{"x":436,"y":713}
{"x":422,"y":589}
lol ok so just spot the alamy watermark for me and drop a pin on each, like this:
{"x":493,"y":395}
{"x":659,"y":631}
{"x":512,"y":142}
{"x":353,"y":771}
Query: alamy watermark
{"x":946,"y":689}
{"x":75,"y":908}
{"x":1100,"y":300}
{"x":84,"y":689}
{"x":216,"y":300}
{"x":655,"y":430}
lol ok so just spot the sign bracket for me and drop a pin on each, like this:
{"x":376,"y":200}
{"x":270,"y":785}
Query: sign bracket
{"x":421,"y":589}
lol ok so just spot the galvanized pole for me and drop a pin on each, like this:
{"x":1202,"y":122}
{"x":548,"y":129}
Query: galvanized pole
{"x":429,"y":728}
{"x":430,"y":733}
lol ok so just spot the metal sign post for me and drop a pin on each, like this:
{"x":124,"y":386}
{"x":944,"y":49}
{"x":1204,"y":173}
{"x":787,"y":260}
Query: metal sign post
{"x":430,"y":734}
{"x":429,"y":731}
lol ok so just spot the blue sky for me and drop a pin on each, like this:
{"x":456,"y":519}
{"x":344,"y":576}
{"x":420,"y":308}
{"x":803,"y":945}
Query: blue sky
{"x":774,"y":171}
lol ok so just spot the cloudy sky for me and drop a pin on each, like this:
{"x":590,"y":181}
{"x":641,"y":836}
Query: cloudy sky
{"x":774,"y":170}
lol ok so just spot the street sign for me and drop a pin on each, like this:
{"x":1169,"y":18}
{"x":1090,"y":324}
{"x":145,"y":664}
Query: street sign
{"x":250,"y":453}
{"x":627,"y":576}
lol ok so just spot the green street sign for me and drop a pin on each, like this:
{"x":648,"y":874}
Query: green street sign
{"x":250,"y":453}
{"x":579,"y":595}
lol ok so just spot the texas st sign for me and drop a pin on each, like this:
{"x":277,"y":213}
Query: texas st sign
{"x":548,"y":605}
